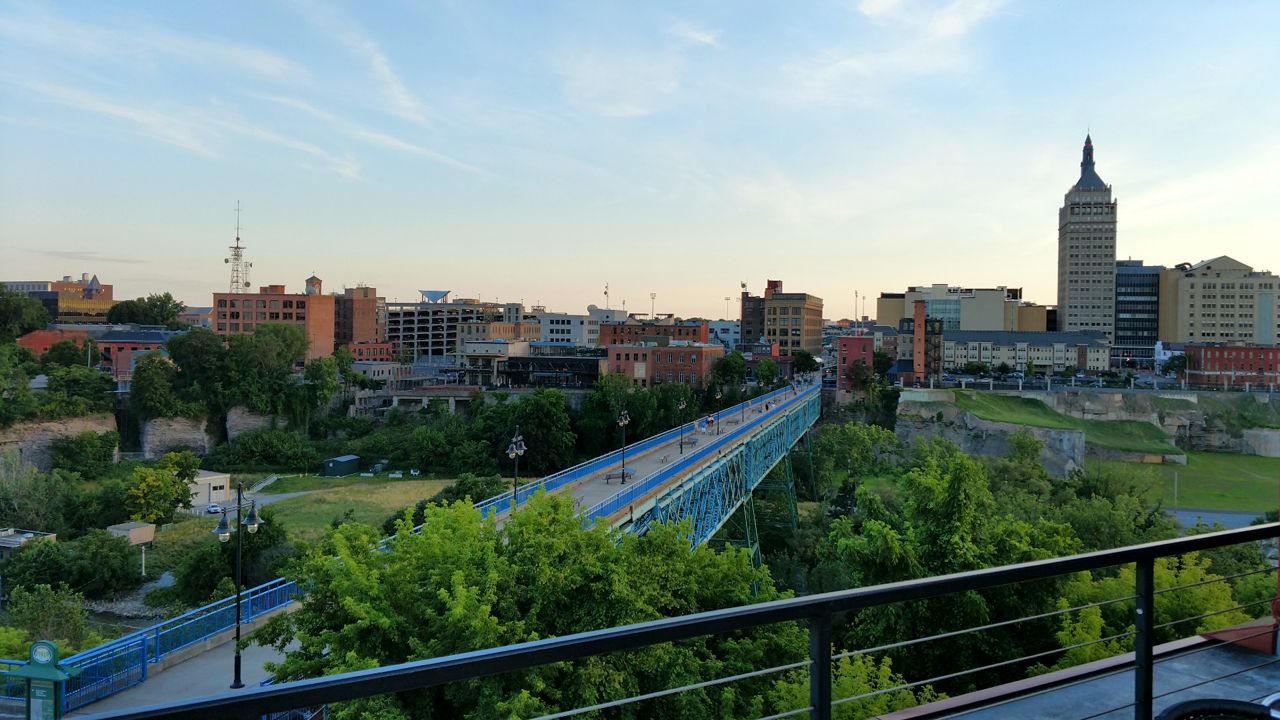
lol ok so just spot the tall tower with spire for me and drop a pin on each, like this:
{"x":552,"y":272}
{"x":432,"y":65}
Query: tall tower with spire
{"x":1087,"y":253}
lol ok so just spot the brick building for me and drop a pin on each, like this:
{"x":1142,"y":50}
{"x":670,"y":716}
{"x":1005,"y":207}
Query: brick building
{"x":792,"y":320}
{"x":359,"y":316}
{"x":239,"y":313}
{"x":1233,"y":365}
{"x":39,"y":341}
{"x":849,"y":350}
{"x":649,"y":364}
{"x":635,"y":331}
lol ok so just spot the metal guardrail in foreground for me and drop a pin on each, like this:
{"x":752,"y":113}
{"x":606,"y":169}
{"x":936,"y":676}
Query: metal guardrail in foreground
{"x":817,"y":610}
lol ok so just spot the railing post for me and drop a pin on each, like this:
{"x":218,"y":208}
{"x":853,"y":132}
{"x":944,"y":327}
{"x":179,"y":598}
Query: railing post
{"x":1144,"y":626}
{"x":820,"y":667}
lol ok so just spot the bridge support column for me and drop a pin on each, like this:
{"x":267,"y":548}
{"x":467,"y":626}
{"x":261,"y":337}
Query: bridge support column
{"x":786,"y":484}
{"x":740,"y":531}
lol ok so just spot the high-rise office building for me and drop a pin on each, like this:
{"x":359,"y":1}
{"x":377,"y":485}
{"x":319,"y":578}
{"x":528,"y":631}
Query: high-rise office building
{"x":1137,"y":313}
{"x":1087,"y":253}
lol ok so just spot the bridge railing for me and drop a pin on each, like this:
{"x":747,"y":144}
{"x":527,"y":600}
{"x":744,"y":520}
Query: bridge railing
{"x":615,"y":503}
{"x":819,"y":613}
{"x":122,"y":663}
{"x":598,"y":465}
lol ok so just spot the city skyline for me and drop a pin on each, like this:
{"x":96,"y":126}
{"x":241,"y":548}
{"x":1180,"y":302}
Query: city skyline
{"x":507,"y":155}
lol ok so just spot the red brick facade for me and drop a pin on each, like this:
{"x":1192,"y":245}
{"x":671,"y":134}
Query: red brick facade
{"x":1234,"y":365}
{"x":39,"y":341}
{"x":237,"y":313}
{"x":649,"y":365}
{"x":626,"y":333}
{"x":849,"y":350}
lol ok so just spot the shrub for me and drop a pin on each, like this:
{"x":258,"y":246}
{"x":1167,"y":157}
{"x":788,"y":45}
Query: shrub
{"x":90,"y":454}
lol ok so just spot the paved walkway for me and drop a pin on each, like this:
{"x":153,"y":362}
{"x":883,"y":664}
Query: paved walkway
{"x":206,"y":674}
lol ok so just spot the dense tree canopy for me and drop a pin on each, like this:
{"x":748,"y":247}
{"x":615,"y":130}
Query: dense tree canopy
{"x":19,"y":315}
{"x":154,"y":309}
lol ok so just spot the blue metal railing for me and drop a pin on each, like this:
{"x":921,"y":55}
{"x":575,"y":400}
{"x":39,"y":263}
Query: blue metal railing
{"x":598,"y":465}
{"x":614,"y":504}
{"x":122,"y":663}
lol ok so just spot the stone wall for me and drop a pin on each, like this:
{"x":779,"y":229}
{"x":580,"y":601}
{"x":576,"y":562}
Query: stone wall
{"x":32,"y":440}
{"x":1063,"y":451}
{"x":1261,"y":442}
{"x":162,"y":435}
{"x":241,"y":420}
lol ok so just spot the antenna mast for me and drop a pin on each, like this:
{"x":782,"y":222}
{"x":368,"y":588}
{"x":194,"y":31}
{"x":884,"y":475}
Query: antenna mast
{"x":239,"y":268}
{"x":606,"y":296}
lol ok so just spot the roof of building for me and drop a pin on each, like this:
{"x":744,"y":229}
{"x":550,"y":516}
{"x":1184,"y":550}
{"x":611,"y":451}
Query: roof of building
{"x":1006,"y":337}
{"x":1089,"y":179}
{"x":189,"y":310}
{"x":434,"y":295}
{"x":345,"y":458}
{"x":139,"y":336}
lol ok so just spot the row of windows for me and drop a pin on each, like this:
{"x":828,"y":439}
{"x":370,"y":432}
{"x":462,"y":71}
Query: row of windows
{"x":300,"y":304}
{"x":261,"y":316}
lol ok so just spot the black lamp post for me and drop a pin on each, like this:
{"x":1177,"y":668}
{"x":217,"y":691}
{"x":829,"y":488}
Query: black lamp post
{"x":717,"y":415}
{"x":223,"y":531}
{"x":623,"y":420}
{"x":680,"y":420}
{"x":514,"y":451}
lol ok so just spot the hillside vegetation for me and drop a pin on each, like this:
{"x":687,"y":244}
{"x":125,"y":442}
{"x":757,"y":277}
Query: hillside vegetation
{"x":1123,"y":435}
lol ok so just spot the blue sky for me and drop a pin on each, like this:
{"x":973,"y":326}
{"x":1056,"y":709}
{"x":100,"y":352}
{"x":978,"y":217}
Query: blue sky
{"x":537,"y":151}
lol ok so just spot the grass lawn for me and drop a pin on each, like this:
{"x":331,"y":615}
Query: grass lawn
{"x":1220,"y":481}
{"x":307,"y":517}
{"x":176,"y":540}
{"x":303,"y":483}
{"x":1125,"y":435}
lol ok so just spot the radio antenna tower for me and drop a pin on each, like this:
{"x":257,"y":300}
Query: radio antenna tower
{"x":606,"y":296}
{"x":239,"y":268}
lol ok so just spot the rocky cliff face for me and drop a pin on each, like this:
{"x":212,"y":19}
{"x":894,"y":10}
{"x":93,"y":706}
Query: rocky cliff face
{"x":241,"y":420}
{"x":162,"y":435}
{"x":1063,"y":451}
{"x":32,"y":440}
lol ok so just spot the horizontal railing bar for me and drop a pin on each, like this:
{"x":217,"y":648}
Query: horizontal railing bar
{"x":978,"y":628}
{"x":787,"y":714}
{"x":672,"y":691}
{"x":970,"y":671}
{"x":490,"y":661}
{"x":1215,"y":612}
{"x":1217,"y":580}
{"x":1203,"y":648}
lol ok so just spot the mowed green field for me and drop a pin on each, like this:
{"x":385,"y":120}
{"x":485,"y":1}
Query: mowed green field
{"x":1219,"y":481}
{"x":304,"y":483}
{"x":307,"y":517}
{"x":1124,"y":435}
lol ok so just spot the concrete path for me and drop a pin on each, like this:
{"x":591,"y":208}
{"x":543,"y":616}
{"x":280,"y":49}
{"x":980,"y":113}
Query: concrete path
{"x":206,"y":674}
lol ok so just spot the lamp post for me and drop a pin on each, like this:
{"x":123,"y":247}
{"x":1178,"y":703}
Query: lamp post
{"x":223,"y":531}
{"x":717,"y":415}
{"x":623,"y":420}
{"x":681,"y":406}
{"x":514,"y":451}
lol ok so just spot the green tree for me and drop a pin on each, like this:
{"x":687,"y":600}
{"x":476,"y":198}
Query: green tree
{"x":973,"y":367}
{"x":30,"y":499}
{"x":66,"y":353}
{"x":860,"y":376}
{"x":151,"y":390}
{"x":43,"y":562}
{"x":202,"y":369}
{"x":92,"y":390}
{"x":49,"y":613}
{"x":154,"y":309}
{"x":881,"y":363}
{"x":541,"y":574}
{"x":103,"y":564}
{"x":19,"y":315}
{"x":1176,"y":364}
{"x":856,"y":676}
{"x":16,"y":399}
{"x":157,"y":492}
{"x":802,"y":361}
{"x":89,"y":453}
{"x":767,"y":373}
{"x":730,"y":370}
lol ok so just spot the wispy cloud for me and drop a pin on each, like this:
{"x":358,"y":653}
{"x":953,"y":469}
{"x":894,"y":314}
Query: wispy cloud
{"x":87,"y":256}
{"x":151,"y":123}
{"x":147,"y":44}
{"x":914,"y":40}
{"x":373,"y":137}
{"x":686,"y":32}
{"x":332,"y":22}
{"x":345,"y":165}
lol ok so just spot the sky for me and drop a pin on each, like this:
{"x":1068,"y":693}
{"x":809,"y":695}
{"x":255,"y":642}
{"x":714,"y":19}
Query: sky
{"x":536,"y":152}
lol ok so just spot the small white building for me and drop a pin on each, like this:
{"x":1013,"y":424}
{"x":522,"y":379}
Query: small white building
{"x":569,"y":330}
{"x":726,"y":332}
{"x":210,"y":487}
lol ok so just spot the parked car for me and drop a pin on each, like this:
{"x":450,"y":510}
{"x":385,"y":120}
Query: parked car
{"x":212,"y":509}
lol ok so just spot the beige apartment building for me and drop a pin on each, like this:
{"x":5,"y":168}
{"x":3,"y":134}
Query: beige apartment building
{"x":998,"y":308}
{"x":1217,"y":301}
{"x":1087,"y":253}
{"x":1048,"y":351}
{"x":792,"y":320}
